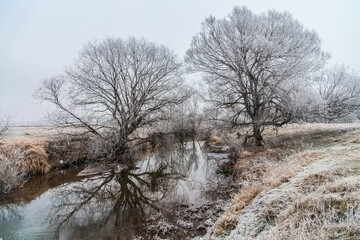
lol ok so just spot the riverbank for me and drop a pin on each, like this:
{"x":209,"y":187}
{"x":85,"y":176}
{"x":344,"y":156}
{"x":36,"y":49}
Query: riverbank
{"x":171,"y":194}
{"x":27,"y":152}
{"x":20,"y":159}
{"x":305,"y":172}
{"x":303,"y":185}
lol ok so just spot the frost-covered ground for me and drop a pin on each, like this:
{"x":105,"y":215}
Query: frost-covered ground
{"x":314,"y":195}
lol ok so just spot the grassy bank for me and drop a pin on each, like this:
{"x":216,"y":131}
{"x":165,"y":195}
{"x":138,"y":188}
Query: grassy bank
{"x":30,"y":151}
{"x":20,"y":159}
{"x":303,"y":185}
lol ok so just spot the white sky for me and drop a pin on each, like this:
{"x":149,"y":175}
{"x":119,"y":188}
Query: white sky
{"x":38,"y":38}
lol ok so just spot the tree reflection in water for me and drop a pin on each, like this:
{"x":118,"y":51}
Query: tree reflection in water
{"x":122,"y":201}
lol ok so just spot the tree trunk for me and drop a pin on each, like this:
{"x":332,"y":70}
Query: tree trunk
{"x":119,"y":153}
{"x":259,"y":141}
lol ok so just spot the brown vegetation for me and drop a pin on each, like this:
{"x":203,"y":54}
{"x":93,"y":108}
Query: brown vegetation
{"x":19,"y":159}
{"x":228,"y":220}
{"x":263,"y":171}
{"x":260,"y":175}
{"x":30,"y":157}
{"x":330,"y":212}
{"x":64,"y":152}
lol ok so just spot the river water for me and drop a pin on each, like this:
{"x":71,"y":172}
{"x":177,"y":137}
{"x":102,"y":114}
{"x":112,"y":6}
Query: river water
{"x":63,"y":206}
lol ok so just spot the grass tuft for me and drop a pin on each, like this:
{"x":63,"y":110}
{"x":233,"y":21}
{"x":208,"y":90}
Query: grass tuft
{"x":18,"y":160}
{"x":33,"y":159}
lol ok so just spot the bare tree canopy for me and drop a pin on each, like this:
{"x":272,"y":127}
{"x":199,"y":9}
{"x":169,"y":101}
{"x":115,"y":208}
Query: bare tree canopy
{"x":340,"y":92}
{"x":116,"y":87}
{"x":254,"y":64}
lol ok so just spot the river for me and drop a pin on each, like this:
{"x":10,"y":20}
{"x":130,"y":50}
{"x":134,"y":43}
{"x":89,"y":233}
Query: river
{"x":62,"y":205}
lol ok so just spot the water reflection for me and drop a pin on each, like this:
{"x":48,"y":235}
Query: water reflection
{"x":116,"y":205}
{"x":111,"y":200}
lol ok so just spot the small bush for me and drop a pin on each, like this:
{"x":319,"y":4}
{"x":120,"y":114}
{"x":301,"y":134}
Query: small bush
{"x":12,"y":174}
{"x":69,"y":151}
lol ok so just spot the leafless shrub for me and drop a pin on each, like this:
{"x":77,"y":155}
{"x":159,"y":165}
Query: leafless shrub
{"x":4,"y":125}
{"x":12,"y":172}
{"x":340,"y":93}
{"x":103,"y":150}
{"x":214,"y":140}
{"x":67,"y":151}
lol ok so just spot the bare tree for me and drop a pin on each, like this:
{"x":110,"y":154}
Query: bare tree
{"x":253,"y":64}
{"x":186,"y":118}
{"x":4,"y":125}
{"x":339,"y":90}
{"x":114,"y":88}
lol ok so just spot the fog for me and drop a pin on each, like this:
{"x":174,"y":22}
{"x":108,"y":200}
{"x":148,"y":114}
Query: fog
{"x":38,"y":39}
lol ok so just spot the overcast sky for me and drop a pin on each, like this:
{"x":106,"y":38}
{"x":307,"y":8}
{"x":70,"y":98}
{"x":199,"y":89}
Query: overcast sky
{"x":38,"y":38}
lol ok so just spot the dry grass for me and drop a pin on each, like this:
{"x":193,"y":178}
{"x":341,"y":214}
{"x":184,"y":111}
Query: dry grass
{"x":228,"y":220}
{"x":33,"y":158}
{"x":324,"y":204}
{"x":214,"y":140}
{"x":330,"y":212}
{"x":293,"y":136}
{"x":327,"y":204}
{"x":39,"y":134}
{"x":261,"y":176}
{"x":19,"y":159}
{"x":246,"y":195}
{"x":277,"y":174}
{"x":301,"y":129}
{"x":225,"y":223}
{"x":314,"y":180}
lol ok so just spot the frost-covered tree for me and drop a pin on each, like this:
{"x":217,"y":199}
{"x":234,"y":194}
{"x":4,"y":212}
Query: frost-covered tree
{"x":186,"y":116}
{"x":4,"y":125}
{"x":339,"y":90}
{"x":253,"y":64}
{"x":114,"y":88}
